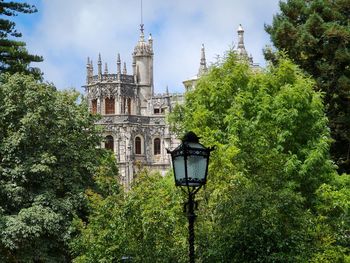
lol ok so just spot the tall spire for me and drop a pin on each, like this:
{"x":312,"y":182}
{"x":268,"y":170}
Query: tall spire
{"x":203,"y":64}
{"x":106,"y":69}
{"x":99,"y":64}
{"x":118,"y":64}
{"x":241,"y":48}
{"x":88,"y":70}
{"x":124,"y":69}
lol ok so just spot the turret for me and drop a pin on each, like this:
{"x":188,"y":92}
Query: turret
{"x":106,"y":69}
{"x":203,"y":64}
{"x":143,"y":67}
{"x":99,"y":65}
{"x":88,"y":75}
{"x":89,"y":71}
{"x":241,"y":48}
{"x":118,"y":64}
{"x":124,"y":69}
{"x":118,"y":67}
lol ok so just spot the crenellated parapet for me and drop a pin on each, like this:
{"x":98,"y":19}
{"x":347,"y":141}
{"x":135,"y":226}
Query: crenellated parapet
{"x":120,"y":78}
{"x":105,"y":76}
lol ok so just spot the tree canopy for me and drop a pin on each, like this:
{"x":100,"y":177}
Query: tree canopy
{"x":14,"y":57}
{"x":316,"y":35}
{"x":272,"y":158}
{"x":48,"y":154}
{"x":144,"y":224}
{"x":273,"y":194}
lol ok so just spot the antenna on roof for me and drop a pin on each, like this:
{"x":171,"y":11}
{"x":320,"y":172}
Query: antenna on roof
{"x":141,"y":25}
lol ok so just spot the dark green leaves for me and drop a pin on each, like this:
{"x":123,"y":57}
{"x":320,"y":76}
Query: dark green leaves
{"x":48,"y":154}
{"x":14,"y":57}
{"x":272,"y":157}
{"x":316,"y":35}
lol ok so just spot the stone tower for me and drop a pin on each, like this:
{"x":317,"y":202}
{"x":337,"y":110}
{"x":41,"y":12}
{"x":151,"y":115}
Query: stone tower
{"x":143,"y":68}
{"x":241,"y":51}
{"x":133,"y":117}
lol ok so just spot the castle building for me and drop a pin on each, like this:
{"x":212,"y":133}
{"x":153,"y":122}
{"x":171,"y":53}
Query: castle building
{"x":241,"y":52}
{"x":133,"y":117}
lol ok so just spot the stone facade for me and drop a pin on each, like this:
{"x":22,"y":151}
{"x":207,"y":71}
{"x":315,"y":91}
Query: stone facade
{"x":133,"y":117}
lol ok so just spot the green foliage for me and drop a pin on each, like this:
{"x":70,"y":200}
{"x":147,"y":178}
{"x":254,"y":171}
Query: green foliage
{"x":316,"y":35}
{"x":48,"y":155}
{"x":144,"y":223}
{"x":98,"y":240}
{"x":333,"y":206}
{"x":261,"y":203}
{"x":157,"y":226}
{"x":14,"y":56}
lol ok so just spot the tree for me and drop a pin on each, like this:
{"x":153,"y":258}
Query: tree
{"x":48,"y":154}
{"x":145,"y":224}
{"x":156,"y":225}
{"x":333,"y":208}
{"x":271,"y":159}
{"x":14,"y":56}
{"x":99,"y":237}
{"x":316,"y":35}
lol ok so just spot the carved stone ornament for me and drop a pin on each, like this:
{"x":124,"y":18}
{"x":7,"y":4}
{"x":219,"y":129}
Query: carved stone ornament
{"x":127,"y":91}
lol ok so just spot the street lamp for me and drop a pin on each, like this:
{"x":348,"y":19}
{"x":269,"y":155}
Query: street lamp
{"x":190,"y":164}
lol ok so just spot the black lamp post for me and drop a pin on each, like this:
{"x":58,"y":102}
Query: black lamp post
{"x":190,"y":163}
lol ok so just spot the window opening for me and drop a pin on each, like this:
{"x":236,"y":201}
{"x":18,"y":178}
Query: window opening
{"x":109,"y":103}
{"x":156,"y":146}
{"x":109,"y":144}
{"x":94,"y":106}
{"x":137,"y":145}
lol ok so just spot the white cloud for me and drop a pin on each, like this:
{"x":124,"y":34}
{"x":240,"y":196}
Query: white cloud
{"x":69,"y":31}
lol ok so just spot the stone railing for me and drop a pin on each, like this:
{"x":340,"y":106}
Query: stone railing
{"x":114,"y":77}
{"x":117,"y":119}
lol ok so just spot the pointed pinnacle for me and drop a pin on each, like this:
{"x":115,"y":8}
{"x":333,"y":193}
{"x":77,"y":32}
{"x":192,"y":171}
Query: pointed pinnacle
{"x":124,"y":69}
{"x":106,"y":68}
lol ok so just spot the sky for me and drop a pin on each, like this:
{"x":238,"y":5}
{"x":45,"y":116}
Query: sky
{"x":66,"y":32}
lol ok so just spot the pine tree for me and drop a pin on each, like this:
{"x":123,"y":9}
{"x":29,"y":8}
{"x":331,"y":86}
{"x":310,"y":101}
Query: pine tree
{"x":316,"y":35}
{"x":14,"y":56}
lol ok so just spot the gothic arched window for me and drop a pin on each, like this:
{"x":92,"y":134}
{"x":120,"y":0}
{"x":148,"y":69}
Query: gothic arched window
{"x":129,"y":106}
{"x":138,"y":149}
{"x":109,"y":105}
{"x":94,"y":106}
{"x":123,"y":105}
{"x":109,"y":143}
{"x":156,"y":146}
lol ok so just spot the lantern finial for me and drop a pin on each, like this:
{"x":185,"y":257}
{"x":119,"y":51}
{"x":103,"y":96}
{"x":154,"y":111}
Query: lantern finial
{"x":190,"y":137}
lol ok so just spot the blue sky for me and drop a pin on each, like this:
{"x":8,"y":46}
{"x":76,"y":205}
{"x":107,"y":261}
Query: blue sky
{"x":66,"y":32}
